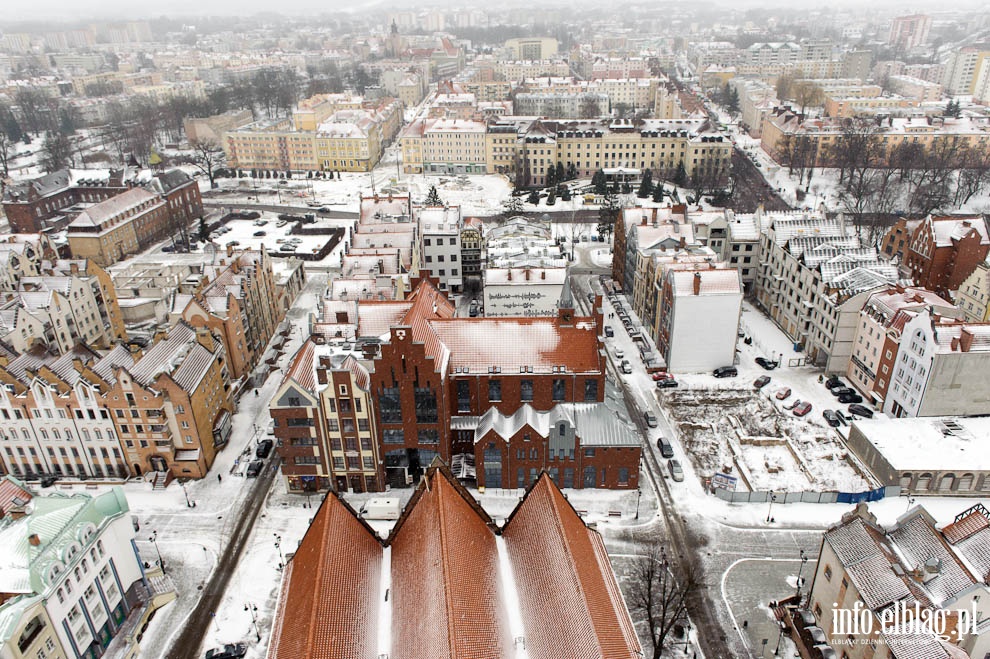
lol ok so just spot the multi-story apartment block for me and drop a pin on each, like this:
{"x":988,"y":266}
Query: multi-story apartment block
{"x":439,"y":231}
{"x":964,"y":68}
{"x":907,"y":32}
{"x":813,"y":279}
{"x":22,"y":255}
{"x":878,"y":334}
{"x":472,"y":244}
{"x":56,"y":422}
{"x":782,"y":127}
{"x":325,"y":424}
{"x":895,"y":573}
{"x":76,"y":575}
{"x":531,"y":48}
{"x":444,"y":146}
{"x":349,"y":139}
{"x":940,"y":367}
{"x":973,"y":296}
{"x":172,"y":408}
{"x":238,"y":301}
{"x":945,"y":250}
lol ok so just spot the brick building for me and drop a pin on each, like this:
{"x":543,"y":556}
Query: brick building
{"x":944,"y":251}
{"x":430,"y":379}
{"x":448,"y":583}
{"x":51,"y":202}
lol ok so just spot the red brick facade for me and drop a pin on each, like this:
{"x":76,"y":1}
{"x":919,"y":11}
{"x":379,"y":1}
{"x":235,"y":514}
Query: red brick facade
{"x":941,"y":264}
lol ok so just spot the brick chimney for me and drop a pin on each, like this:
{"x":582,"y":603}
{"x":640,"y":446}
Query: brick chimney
{"x":697,"y":283}
{"x":526,"y":271}
{"x":966,"y":339}
{"x":509,"y":275}
{"x":205,"y":339}
{"x":34,"y":540}
{"x":543,"y":274}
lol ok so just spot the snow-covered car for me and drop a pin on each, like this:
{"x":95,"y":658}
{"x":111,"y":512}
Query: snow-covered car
{"x":802,"y":409}
{"x":761,"y":382}
{"x":783,"y":393}
{"x":228,"y":651}
{"x":831,"y":418}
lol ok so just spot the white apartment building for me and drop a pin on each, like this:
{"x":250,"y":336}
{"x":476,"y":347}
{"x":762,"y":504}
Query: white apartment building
{"x":940,"y":369}
{"x":76,"y":552}
{"x":516,"y":292}
{"x":878,"y":333}
{"x":699,"y":320}
{"x":454,"y":146}
{"x":440,"y":244}
{"x":812,"y":280}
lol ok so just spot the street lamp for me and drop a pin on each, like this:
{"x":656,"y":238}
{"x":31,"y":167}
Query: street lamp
{"x":253,"y":610}
{"x":773,"y":497}
{"x":804,"y":559}
{"x":278,"y":546}
{"x":189,"y":504}
{"x":639,"y":493}
{"x":154,"y":540}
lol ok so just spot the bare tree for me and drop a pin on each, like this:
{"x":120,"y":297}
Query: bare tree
{"x":57,"y":151}
{"x":207,"y":157}
{"x":5,"y":152}
{"x":807,"y":94}
{"x":660,"y":598}
{"x":590,"y":108}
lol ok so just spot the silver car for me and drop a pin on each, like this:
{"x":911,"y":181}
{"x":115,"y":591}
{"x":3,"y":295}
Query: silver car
{"x":675,"y":470}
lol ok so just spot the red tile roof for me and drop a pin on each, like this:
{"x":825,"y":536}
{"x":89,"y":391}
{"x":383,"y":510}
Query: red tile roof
{"x":445,"y":589}
{"x":571,"y":605}
{"x":328,"y":606}
{"x":12,"y":494}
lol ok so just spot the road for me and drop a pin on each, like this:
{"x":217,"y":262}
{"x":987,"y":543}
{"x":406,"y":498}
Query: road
{"x":187,"y":644}
{"x":741,"y":569}
{"x":751,"y":189}
{"x":218,"y":203}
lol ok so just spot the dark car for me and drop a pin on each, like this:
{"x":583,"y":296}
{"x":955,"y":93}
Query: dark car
{"x":666,"y":383}
{"x":761,"y":382}
{"x":609,"y":331}
{"x":842,"y":391}
{"x":258,"y":234}
{"x":831,"y":418}
{"x":766,"y":364}
{"x":833,"y":381}
{"x":666,"y":448}
{"x":845,"y":399}
{"x":861,"y":410}
{"x":264,"y":448}
{"x":254,"y":469}
{"x":168,"y":249}
{"x":725,"y":372}
{"x":228,"y":651}
{"x":843,"y":419}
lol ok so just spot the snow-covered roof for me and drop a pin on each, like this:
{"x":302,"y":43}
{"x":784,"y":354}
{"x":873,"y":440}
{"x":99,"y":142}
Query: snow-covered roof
{"x":929,"y":444}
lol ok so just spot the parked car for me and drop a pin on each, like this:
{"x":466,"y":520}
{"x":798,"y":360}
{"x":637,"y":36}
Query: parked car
{"x":619,"y":353}
{"x":675,"y":470}
{"x":802,"y":409}
{"x":651,"y":419}
{"x":663,"y":375}
{"x":766,"y":364}
{"x":666,"y":448}
{"x":831,"y":418}
{"x":258,"y":234}
{"x":842,"y":391}
{"x":264,"y":448}
{"x":254,"y":469}
{"x":234,"y":243}
{"x":833,"y":381}
{"x":228,"y":651}
{"x":625,"y":367}
{"x":794,"y":403}
{"x":761,"y":382}
{"x":850,"y":398}
{"x":168,"y":249}
{"x":843,"y":419}
{"x":783,"y":393}
{"x":609,"y":332}
{"x":725,"y":372}
{"x":861,"y":410}
{"x":668,"y":383}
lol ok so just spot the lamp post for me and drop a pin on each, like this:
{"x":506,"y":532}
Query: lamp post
{"x":253,"y":610}
{"x":278,"y":546}
{"x":804,"y":559}
{"x":773,"y":497}
{"x":639,"y":493}
{"x":687,"y":637}
{"x":154,"y":540}
{"x":189,"y":504}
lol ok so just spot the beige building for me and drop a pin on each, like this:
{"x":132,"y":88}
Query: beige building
{"x":973,"y":296}
{"x":211,"y":129}
{"x":531,"y":48}
{"x":125,"y":224}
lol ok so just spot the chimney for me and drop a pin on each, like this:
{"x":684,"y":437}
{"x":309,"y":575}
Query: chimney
{"x":508,"y":276}
{"x":683,"y":242}
{"x":543,"y":274}
{"x":34,"y":540}
{"x":965,"y":339}
{"x":697,"y":283}
{"x":527,"y":274}
{"x":230,"y":249}
{"x":205,"y":339}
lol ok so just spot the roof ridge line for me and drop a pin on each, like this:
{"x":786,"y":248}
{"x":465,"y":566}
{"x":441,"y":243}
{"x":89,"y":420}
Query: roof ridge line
{"x":444,"y":565}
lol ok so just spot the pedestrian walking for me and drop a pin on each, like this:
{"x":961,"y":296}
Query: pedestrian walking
{"x":219,"y":478}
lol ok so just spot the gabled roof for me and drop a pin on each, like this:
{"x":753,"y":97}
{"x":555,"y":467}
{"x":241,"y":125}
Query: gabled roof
{"x":445,"y":587}
{"x":328,"y":605}
{"x":571,"y":605}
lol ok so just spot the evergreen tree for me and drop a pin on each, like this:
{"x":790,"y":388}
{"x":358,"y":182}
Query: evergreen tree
{"x":552,"y":197}
{"x":732,"y":102}
{"x":646,"y":185}
{"x":598,"y":180}
{"x":551,"y":180}
{"x":534,"y":198}
{"x":565,"y":193}
{"x":571,"y":171}
{"x":607,"y":215}
{"x":658,"y":193}
{"x":512,"y":207}
{"x":433,"y":197}
{"x":204,"y":231}
{"x":680,"y":175}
